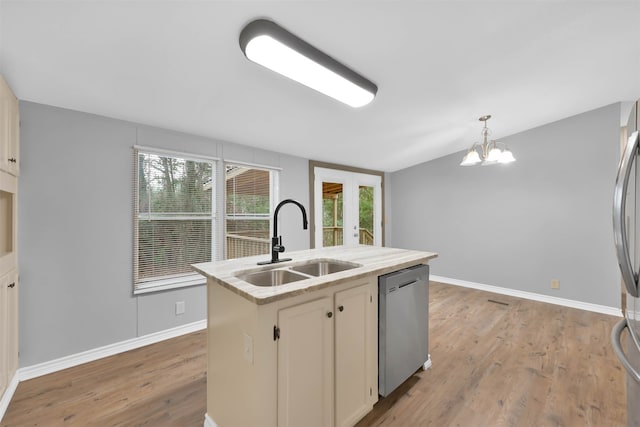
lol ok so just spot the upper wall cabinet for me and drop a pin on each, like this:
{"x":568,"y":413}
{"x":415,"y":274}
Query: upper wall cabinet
{"x":9,"y":130}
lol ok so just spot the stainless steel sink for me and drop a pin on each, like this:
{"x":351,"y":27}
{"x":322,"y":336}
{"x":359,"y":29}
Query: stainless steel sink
{"x":281,"y":275}
{"x":272,"y":277}
{"x":323,"y":267}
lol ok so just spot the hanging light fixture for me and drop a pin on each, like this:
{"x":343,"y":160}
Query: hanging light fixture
{"x":490,"y":151}
{"x":268,"y":44}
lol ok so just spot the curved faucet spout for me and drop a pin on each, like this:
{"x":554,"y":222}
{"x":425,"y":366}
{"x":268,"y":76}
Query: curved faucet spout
{"x":276,"y":241}
{"x":281,"y":204}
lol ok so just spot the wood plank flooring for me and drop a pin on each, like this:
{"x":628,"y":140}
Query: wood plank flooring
{"x":521,"y":364}
{"x":162,"y":384}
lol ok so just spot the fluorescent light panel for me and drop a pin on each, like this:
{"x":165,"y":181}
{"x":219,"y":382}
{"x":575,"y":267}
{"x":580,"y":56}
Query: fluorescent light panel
{"x":267,"y":44}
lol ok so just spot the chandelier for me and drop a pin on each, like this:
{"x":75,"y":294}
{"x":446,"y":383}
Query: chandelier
{"x":491,"y":152}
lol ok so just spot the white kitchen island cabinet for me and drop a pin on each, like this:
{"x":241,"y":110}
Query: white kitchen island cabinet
{"x":305,"y":364}
{"x":298,"y":354}
{"x":356,"y":341}
{"x":326,"y":353}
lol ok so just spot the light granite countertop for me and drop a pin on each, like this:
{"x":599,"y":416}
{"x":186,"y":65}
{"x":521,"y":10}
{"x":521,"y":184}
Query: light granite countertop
{"x":372,"y":261}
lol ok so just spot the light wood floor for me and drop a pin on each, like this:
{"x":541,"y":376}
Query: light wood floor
{"x":521,"y":364}
{"x":163,"y":384}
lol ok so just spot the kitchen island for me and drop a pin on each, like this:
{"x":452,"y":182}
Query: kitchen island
{"x":300,"y":353}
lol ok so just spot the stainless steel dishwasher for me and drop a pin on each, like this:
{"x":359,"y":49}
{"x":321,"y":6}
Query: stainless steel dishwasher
{"x":403,"y":326}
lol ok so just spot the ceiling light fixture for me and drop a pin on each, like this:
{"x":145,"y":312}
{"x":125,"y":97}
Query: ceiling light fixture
{"x":491,"y":153}
{"x":268,"y":44}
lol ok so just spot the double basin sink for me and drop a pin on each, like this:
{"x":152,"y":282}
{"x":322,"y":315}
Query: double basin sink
{"x":278,"y":275}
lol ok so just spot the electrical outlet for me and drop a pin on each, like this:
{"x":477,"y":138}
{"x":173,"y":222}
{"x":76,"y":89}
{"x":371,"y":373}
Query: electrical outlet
{"x":248,"y":348}
{"x":555,"y":284}
{"x":179,"y":308}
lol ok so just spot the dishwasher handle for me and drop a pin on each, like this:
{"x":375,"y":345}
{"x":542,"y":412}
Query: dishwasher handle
{"x":616,"y":334}
{"x":408,"y":283}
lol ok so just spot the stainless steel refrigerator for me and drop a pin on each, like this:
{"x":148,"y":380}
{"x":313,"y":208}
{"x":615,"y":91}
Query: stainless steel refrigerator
{"x":626,"y":231}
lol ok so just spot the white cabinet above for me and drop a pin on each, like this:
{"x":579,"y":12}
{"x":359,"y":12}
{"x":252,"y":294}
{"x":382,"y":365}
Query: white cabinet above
{"x":9,"y":130}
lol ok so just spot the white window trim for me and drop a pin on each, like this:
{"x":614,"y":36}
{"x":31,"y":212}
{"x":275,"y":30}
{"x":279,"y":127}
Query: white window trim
{"x":169,"y":283}
{"x":173,"y":153}
{"x":253,"y":165}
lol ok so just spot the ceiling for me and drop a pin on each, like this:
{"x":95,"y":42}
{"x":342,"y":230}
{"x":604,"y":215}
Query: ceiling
{"x":439,"y":65}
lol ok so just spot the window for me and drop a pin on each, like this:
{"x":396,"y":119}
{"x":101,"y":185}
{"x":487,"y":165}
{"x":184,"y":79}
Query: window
{"x":174,"y":218}
{"x":249,"y":196}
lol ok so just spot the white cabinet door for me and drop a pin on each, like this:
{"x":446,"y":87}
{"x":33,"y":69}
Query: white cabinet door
{"x":13,"y":149}
{"x":3,"y":333}
{"x":9,"y":130}
{"x":4,"y":127}
{"x":356,"y":353}
{"x":8,"y":328}
{"x":12,"y":323}
{"x":305,"y":364}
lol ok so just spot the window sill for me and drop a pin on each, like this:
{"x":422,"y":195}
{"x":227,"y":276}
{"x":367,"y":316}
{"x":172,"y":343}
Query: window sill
{"x":167,"y":284}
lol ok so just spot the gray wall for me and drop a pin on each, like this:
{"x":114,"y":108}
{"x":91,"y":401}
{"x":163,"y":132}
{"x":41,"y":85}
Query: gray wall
{"x":517,"y":226}
{"x":547,"y":216}
{"x":75,"y":230}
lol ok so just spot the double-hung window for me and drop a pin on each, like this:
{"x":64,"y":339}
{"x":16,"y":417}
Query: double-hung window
{"x":250,"y":193}
{"x":174,"y":218}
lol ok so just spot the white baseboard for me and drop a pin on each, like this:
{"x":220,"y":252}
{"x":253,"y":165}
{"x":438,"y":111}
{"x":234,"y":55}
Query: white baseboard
{"x":8,"y":394}
{"x":604,"y":309}
{"x":65,"y":362}
{"x":208,"y":422}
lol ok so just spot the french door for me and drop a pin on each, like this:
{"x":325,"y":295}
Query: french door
{"x":347,"y":208}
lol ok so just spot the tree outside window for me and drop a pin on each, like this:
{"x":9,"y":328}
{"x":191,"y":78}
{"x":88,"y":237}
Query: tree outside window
{"x":174,"y":217}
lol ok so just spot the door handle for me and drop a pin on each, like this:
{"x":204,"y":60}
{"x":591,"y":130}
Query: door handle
{"x":629,"y":277}
{"x":616,"y":333}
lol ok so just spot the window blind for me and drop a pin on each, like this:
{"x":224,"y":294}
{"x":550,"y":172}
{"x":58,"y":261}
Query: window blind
{"x":174,"y":218}
{"x":249,"y":195}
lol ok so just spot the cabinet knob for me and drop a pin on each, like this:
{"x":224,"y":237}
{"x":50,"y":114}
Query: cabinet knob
{"x":341,"y":308}
{"x":329,"y":315}
{"x":12,"y":285}
{"x":13,"y":160}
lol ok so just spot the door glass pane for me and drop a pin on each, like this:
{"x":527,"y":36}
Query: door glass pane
{"x":365,"y":226}
{"x":332,"y":210}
